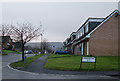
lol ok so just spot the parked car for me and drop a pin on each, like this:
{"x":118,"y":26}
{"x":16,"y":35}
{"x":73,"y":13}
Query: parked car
{"x":28,"y":51}
{"x":39,"y":52}
{"x":61,"y":52}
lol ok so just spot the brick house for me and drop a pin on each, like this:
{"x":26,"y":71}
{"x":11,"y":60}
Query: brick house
{"x":97,"y":36}
{"x":6,"y":42}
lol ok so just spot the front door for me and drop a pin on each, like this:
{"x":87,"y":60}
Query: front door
{"x":87,"y":48}
{"x":82,"y":48}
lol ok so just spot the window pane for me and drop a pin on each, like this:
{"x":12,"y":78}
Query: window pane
{"x":86,"y":28}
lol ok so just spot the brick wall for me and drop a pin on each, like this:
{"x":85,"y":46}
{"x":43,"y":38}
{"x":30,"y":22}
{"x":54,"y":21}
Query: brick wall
{"x":104,"y":40}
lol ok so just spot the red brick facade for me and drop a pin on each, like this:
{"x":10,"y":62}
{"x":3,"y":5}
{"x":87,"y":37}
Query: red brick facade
{"x":104,"y":40}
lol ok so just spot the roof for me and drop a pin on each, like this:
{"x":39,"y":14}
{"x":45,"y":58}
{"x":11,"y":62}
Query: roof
{"x":104,"y":19}
{"x":87,"y":21}
{"x":115,"y":11}
{"x":72,"y":33}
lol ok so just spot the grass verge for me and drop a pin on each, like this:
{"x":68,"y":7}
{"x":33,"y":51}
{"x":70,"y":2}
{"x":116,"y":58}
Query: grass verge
{"x":72,"y":62}
{"x":26,"y":63}
{"x":5,"y":52}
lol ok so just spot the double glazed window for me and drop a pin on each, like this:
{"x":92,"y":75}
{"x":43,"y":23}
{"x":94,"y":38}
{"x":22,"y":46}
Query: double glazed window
{"x":79,"y":47}
{"x":80,"y":33}
{"x":86,"y":28}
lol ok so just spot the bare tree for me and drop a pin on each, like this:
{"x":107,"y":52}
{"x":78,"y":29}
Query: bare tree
{"x":24,"y":33}
{"x":45,"y":46}
{"x":6,"y":30}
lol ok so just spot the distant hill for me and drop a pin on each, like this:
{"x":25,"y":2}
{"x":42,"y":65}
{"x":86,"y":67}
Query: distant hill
{"x":53,"y":45}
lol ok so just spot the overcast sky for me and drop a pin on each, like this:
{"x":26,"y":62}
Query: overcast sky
{"x":59,"y":19}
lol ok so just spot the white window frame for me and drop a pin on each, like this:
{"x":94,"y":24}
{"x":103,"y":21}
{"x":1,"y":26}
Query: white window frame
{"x":87,"y":48}
{"x":78,"y":35}
{"x":83,"y":31}
{"x":9,"y":40}
{"x":8,"y":44}
{"x":82,"y":48}
{"x":77,"y":48}
{"x":86,"y":28}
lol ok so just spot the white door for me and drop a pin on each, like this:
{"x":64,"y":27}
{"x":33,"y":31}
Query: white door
{"x":87,"y":48}
{"x":82,"y":48}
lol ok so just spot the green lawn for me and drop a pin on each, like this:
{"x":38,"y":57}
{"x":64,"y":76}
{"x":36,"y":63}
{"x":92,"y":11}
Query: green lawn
{"x":5,"y":52}
{"x":26,"y":63}
{"x":72,"y":62}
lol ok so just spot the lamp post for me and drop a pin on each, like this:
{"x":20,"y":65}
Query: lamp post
{"x":41,"y":37}
{"x":41,"y":42}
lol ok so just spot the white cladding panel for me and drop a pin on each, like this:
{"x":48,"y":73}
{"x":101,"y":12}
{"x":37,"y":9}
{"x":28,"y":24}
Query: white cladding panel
{"x":96,"y":20}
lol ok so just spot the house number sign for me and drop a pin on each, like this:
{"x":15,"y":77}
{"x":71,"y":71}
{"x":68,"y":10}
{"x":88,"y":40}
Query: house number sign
{"x":88,"y":59}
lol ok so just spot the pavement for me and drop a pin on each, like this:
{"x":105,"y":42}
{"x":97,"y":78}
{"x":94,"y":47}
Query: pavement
{"x":36,"y":71}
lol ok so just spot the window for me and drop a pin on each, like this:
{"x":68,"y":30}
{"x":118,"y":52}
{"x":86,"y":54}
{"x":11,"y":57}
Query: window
{"x":8,"y":44}
{"x":77,"y":48}
{"x":82,"y":31}
{"x":9,"y":40}
{"x":78,"y":35}
{"x":86,"y":28}
{"x":80,"y":46}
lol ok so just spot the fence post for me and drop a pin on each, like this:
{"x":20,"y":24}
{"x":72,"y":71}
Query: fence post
{"x":95,"y":62}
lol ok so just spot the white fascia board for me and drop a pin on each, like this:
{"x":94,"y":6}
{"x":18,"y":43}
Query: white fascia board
{"x":104,"y":21}
{"x":88,"y":36}
{"x":96,"y":20}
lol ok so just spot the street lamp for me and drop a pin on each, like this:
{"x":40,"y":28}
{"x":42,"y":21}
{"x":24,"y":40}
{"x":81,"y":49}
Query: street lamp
{"x":41,"y":37}
{"x":41,"y":42}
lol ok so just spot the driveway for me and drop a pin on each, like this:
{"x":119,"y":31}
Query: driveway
{"x":10,"y":73}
